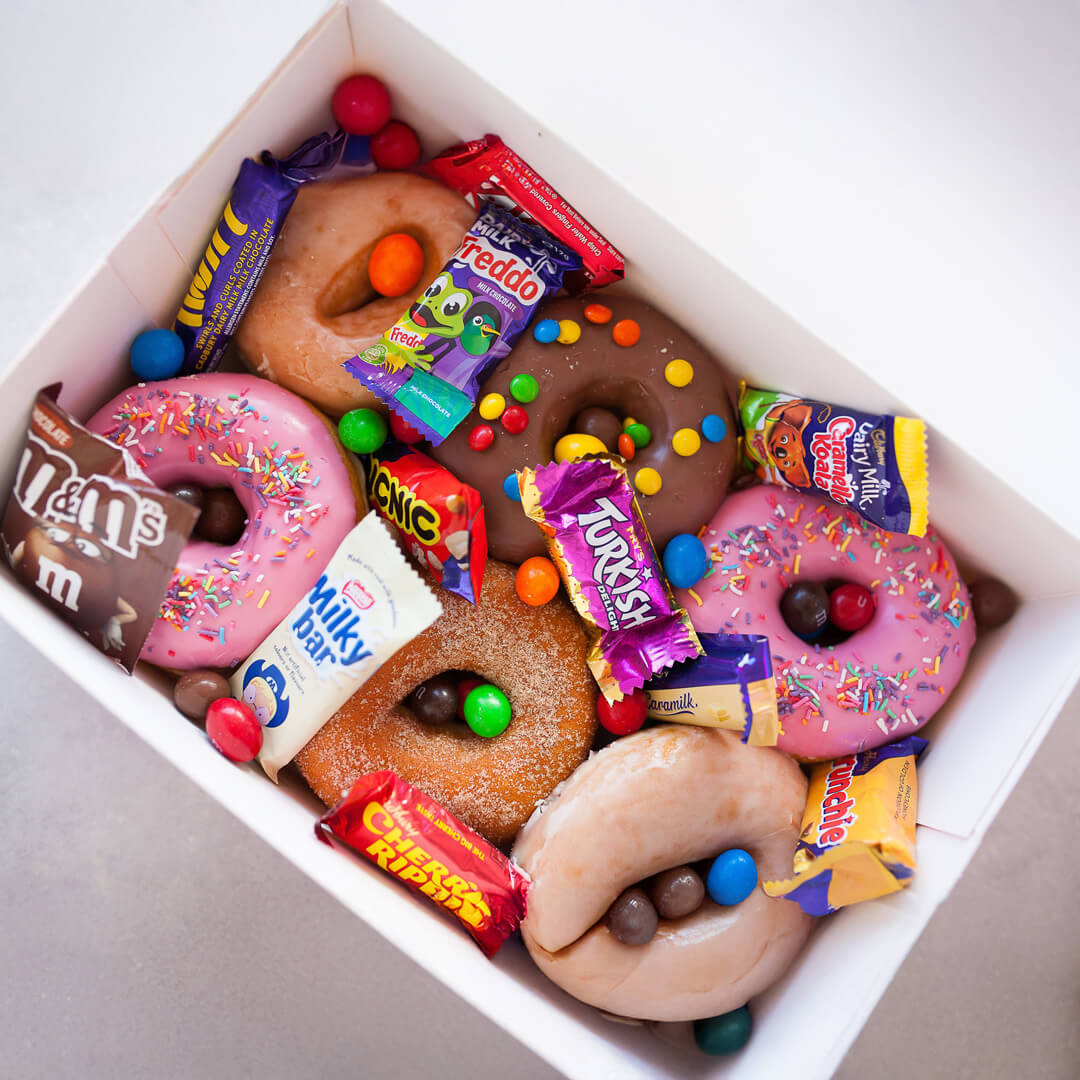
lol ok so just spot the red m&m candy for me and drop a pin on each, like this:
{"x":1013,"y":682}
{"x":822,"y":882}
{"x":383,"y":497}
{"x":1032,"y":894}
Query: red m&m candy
{"x":515,"y":419}
{"x":851,"y":607}
{"x":623,"y":717}
{"x":361,"y":105}
{"x":232,"y":728}
{"x":402,"y":430}
{"x":481,"y":437}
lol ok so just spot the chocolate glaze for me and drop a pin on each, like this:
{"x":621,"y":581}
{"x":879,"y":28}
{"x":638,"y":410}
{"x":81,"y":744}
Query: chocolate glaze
{"x":594,"y":371}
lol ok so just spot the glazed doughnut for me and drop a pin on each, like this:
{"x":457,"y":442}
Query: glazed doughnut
{"x":536,"y":655}
{"x":886,"y":680}
{"x":315,"y":307}
{"x":593,"y":372}
{"x":298,"y":489}
{"x":663,"y":797}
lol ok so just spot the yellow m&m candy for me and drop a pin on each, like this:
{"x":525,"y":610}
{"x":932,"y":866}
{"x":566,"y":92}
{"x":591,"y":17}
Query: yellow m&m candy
{"x":686,"y":442}
{"x":572,"y":447}
{"x":679,"y":372}
{"x":569,"y":332}
{"x":648,"y":481}
{"x":491,"y":406}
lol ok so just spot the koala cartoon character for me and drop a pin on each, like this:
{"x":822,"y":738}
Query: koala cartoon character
{"x":265,"y":691}
{"x":783,"y":441}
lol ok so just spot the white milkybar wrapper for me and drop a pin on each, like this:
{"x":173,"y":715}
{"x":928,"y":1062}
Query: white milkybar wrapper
{"x":366,"y":605}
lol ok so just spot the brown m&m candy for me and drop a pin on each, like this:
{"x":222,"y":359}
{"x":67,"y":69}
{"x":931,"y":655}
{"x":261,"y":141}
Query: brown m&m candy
{"x":434,"y":702}
{"x":993,"y":603}
{"x":190,"y":493}
{"x":196,"y":690}
{"x":632,"y":919}
{"x":677,"y":893}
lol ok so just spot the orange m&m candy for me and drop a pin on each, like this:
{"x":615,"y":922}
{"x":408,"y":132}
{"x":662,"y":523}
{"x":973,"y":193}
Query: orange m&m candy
{"x":537,"y":581}
{"x":598,"y":313}
{"x":626,"y":332}
{"x":395,"y":265}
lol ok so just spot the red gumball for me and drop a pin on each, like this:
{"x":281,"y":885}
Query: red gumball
{"x":395,"y":147}
{"x":233,"y":730}
{"x":402,"y":430}
{"x":464,"y":688}
{"x":851,"y":607}
{"x":623,"y":717}
{"x":361,"y":105}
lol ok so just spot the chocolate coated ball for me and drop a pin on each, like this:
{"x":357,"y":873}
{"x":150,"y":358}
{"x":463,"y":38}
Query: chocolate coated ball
{"x":805,"y":607}
{"x":195,"y":690}
{"x":632,"y":919}
{"x":601,"y":424}
{"x":435,"y":701}
{"x":222,"y":519}
{"x":190,"y":493}
{"x":677,"y":893}
{"x":725,"y":1034}
{"x":992,"y":603}
{"x":745,"y":480}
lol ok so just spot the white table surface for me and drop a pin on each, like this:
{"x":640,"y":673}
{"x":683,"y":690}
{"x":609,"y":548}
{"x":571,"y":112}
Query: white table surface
{"x":146,"y":932}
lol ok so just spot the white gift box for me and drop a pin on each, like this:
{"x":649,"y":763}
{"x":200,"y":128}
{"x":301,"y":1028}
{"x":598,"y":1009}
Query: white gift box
{"x":981,"y":742}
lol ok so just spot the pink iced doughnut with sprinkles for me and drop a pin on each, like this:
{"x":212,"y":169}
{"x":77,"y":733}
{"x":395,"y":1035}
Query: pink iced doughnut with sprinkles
{"x":298,"y":490}
{"x":883,"y":682}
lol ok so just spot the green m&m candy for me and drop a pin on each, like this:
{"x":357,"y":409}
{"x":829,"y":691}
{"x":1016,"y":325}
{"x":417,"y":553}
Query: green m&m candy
{"x":363,"y":431}
{"x":487,"y":710}
{"x":524,"y":388}
{"x":639,"y":434}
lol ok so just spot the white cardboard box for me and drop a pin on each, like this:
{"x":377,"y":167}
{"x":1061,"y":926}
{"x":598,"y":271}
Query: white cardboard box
{"x":981,"y":743}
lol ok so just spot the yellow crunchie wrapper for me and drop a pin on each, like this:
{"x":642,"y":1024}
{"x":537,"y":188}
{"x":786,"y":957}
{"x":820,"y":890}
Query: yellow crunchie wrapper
{"x":858,"y":831}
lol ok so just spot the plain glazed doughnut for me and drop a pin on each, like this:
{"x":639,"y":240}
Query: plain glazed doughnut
{"x":535,"y":655}
{"x":663,"y":797}
{"x":315,"y":307}
{"x":294,"y":480}
{"x":886,"y":680}
{"x":645,"y":381}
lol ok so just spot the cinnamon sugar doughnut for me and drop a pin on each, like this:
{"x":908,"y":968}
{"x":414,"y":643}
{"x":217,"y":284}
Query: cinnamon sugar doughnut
{"x":315,"y":306}
{"x":536,"y":655}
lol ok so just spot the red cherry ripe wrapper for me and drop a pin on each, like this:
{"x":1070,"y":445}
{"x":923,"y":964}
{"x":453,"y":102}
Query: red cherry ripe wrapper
{"x":489,"y":167}
{"x":88,"y":533}
{"x":440,"y":519}
{"x":414,"y":839}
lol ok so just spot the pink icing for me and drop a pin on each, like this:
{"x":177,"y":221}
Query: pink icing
{"x":887,"y":679}
{"x":275,"y":452}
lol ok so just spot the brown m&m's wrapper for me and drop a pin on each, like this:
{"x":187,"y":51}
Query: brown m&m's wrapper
{"x":88,"y":533}
{"x":419,"y":842}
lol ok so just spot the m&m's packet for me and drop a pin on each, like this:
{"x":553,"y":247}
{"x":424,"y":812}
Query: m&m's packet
{"x":598,"y":539}
{"x":428,"y":366}
{"x":858,"y":832}
{"x":875,"y":465}
{"x":440,"y":519}
{"x":88,"y":533}
{"x":488,"y":167}
{"x":240,"y":245}
{"x":420,"y":843}
{"x":731,"y":686}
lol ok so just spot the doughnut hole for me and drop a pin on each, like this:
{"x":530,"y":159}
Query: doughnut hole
{"x":350,"y":289}
{"x":439,"y":701}
{"x":664,"y":899}
{"x":222,"y":519}
{"x":799,"y":620}
{"x":604,"y":404}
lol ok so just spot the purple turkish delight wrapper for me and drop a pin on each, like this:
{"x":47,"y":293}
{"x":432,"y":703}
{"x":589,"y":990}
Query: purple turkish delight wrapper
{"x":429,"y":365}
{"x":240,"y":244}
{"x":598,"y":539}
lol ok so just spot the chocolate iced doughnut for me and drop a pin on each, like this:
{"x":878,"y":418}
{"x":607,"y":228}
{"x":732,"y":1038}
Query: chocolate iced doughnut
{"x":587,"y":372}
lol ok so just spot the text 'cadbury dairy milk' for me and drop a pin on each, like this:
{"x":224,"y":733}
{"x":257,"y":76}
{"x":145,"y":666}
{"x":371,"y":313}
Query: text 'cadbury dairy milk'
{"x":366,"y":605}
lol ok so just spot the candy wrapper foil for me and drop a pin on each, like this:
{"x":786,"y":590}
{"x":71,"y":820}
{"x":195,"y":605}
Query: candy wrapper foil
{"x":730,"y":687}
{"x":428,"y":366}
{"x":244,"y":236}
{"x":488,"y":167}
{"x":367,"y":604}
{"x":88,"y":533}
{"x":439,"y":519}
{"x":598,"y":540}
{"x":858,"y":832}
{"x":421,"y":844}
{"x":875,"y":465}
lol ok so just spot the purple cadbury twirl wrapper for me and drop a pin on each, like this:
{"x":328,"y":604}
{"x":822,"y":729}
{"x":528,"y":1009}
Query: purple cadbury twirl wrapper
{"x":240,"y":245}
{"x":598,"y":540}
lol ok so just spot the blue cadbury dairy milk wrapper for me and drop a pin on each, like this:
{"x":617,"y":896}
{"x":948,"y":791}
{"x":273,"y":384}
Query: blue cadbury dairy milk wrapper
{"x":428,"y":366}
{"x":731,"y":686}
{"x":240,"y":245}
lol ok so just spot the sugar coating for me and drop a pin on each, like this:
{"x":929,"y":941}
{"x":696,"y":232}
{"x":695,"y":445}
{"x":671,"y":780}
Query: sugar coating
{"x":535,"y":655}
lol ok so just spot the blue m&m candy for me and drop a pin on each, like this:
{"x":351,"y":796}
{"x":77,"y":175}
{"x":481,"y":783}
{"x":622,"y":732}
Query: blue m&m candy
{"x":546,"y":331}
{"x":732,"y":877}
{"x":510,"y":486}
{"x":713,"y":428}
{"x":157,"y":354}
{"x":685,"y":561}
